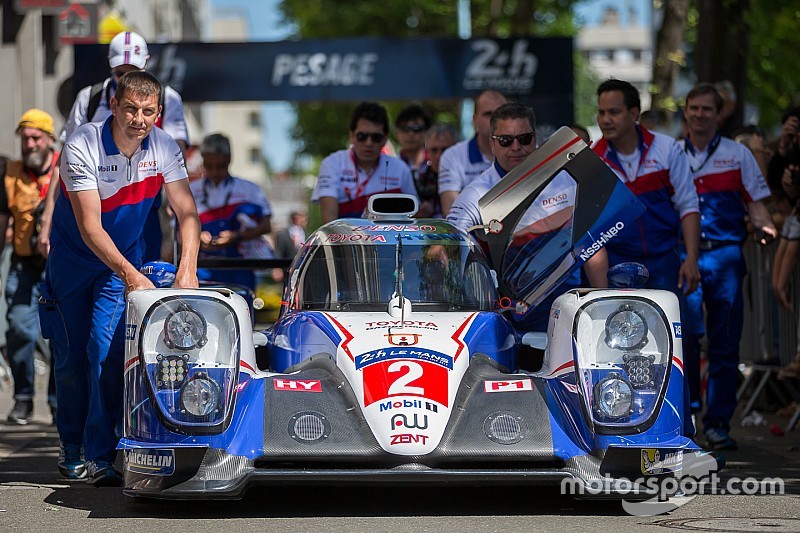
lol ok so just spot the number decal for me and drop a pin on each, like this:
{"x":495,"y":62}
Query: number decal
{"x":401,"y":385}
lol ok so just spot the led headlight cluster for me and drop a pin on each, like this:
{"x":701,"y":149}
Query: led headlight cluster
{"x":640,"y":369}
{"x":171,"y":371}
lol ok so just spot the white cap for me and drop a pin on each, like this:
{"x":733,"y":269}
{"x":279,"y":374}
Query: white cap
{"x":128,"y":48}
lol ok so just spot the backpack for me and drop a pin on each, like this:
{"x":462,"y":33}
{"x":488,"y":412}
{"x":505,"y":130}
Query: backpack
{"x":96,"y":94}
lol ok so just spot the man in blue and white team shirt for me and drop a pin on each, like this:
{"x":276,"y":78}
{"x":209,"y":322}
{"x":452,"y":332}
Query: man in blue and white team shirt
{"x":729,"y":185}
{"x":347,"y":178}
{"x":512,"y":140}
{"x":111,"y":173}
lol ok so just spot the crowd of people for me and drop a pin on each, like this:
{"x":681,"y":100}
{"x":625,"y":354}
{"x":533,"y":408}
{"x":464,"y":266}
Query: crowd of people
{"x":85,"y":220}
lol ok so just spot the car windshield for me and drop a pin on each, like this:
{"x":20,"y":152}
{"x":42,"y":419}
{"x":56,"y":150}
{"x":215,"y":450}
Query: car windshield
{"x":363,"y":277}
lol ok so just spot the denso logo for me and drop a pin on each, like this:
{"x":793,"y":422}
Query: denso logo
{"x":313,"y":70}
{"x":408,"y":404}
{"x":557,"y":199}
{"x":401,"y":421}
{"x":299,"y":385}
{"x":147,"y":164}
{"x":408,"y":438}
{"x":604,"y":238}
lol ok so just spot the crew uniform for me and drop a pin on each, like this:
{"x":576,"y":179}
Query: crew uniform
{"x":342,"y":178}
{"x":727,"y":177}
{"x":547,"y":213}
{"x":658,"y":174}
{"x":461,"y":164}
{"x":233,"y":205}
{"x":83,"y":299}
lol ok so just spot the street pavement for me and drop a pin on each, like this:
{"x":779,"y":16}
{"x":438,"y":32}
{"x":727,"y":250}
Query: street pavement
{"x":34,"y":498}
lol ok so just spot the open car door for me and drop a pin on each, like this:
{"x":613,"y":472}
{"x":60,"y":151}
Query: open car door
{"x":533,"y":258}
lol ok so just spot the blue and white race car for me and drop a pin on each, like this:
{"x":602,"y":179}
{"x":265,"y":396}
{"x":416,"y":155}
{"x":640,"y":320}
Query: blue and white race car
{"x":394,"y":359}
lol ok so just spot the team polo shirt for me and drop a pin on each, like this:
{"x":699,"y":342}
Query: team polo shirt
{"x":172,"y":120}
{"x":234,"y":204}
{"x":663,"y":183}
{"x":460,"y":165}
{"x":127,"y":187}
{"x":550,"y":210}
{"x":341,"y":178}
{"x":727,"y":178}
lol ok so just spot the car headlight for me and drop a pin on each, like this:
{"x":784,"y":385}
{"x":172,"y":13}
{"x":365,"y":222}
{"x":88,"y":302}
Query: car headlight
{"x":623,"y":349}
{"x":626,"y":328}
{"x":190,"y":349}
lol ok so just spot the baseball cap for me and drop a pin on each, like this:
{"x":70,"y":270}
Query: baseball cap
{"x":36,"y":118}
{"x":127,"y":48}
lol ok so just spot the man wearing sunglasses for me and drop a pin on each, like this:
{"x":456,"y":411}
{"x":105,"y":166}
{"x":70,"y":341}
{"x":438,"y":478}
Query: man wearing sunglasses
{"x":347,"y":178}
{"x":467,"y":160}
{"x":512,"y":139}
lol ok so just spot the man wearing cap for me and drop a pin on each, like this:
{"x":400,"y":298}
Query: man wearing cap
{"x":234,"y":213}
{"x":126,"y":52}
{"x":25,"y":185}
{"x":111,"y":174}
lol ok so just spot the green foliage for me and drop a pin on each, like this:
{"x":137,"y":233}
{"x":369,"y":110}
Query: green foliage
{"x":586,"y":82}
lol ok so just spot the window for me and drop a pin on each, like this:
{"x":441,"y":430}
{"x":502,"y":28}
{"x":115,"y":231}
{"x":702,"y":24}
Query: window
{"x":255,"y":155}
{"x":254,"y":119}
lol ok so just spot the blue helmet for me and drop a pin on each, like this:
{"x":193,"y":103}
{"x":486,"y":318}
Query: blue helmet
{"x":161,"y":273}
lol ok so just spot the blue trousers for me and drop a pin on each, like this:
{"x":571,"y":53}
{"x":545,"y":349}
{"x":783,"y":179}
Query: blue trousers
{"x":22,"y":297}
{"x":82,"y":314}
{"x":722,"y":272}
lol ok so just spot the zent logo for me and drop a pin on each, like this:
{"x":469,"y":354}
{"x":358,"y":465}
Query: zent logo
{"x":512,"y":385}
{"x":298,"y":385}
{"x":405,"y":378}
{"x":408,"y":438}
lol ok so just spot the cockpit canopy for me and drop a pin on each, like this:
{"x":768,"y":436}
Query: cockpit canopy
{"x":352,"y":265}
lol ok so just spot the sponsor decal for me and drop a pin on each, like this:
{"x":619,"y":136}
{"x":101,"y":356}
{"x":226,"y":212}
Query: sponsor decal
{"x":571,"y":387}
{"x":408,"y":438}
{"x":395,"y":228}
{"x":654,"y":462}
{"x":402,"y":339}
{"x":511,"y":385}
{"x":650,"y":163}
{"x":298,"y":385}
{"x":495,"y":68}
{"x":605,"y":236}
{"x":384,"y":354}
{"x":324,"y":70}
{"x":554,"y":200}
{"x":150,"y":462}
{"x":385,"y":379}
{"x":130,"y":332}
{"x":405,"y":323}
{"x":724,"y":163}
{"x":147,"y":165}
{"x":676,"y":326}
{"x":408,"y":404}
{"x":343,"y":237}
{"x":401,"y":420}
{"x":107,"y":168}
{"x":555,"y":313}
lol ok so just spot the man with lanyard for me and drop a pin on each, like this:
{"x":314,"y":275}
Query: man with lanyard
{"x":127,"y":51}
{"x":512,"y":140}
{"x":347,"y":178}
{"x":466,"y":160}
{"x":234,"y":213}
{"x":729,"y":184}
{"x":25,"y":185}
{"x":112,"y":172}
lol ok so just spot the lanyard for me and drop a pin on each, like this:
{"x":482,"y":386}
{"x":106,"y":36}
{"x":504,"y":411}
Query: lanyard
{"x":36,"y":179}
{"x":363,"y":184}
{"x":712,"y":147}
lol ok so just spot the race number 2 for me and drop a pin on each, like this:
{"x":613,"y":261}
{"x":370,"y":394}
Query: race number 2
{"x":405,"y":378}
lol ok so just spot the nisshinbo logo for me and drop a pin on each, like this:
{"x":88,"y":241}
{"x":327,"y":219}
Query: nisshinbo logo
{"x":604,"y":238}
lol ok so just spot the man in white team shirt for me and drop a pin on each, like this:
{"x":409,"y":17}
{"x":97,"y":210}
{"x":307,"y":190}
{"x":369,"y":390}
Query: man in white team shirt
{"x":466,"y":160}
{"x":347,"y":178}
{"x":512,"y":139}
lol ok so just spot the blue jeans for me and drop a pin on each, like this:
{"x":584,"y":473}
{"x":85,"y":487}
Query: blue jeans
{"x":22,"y":297}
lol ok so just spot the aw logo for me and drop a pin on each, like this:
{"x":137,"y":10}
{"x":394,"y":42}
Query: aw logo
{"x":400,"y":421}
{"x":498,"y":68}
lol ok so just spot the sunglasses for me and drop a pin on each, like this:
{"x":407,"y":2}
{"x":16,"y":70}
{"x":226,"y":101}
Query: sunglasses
{"x":377,"y":138}
{"x":413,"y":128}
{"x":505,"y":141}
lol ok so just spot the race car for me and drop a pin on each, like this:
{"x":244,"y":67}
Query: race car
{"x":395,"y":359}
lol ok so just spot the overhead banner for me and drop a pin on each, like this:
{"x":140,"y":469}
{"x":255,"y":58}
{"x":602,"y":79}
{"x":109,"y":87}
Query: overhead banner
{"x":537,"y":70}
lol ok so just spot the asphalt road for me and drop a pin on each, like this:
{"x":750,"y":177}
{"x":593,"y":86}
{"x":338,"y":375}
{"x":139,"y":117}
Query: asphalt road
{"x":34,"y":498}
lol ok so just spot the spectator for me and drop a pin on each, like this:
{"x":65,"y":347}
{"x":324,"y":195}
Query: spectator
{"x":439,"y":138}
{"x":784,"y":167}
{"x":25,"y":185}
{"x":290,"y":239}
{"x":234,"y":213}
{"x":347,"y":178}
{"x":729,"y":184}
{"x":94,"y":262}
{"x":126,"y":52}
{"x":467,"y":160}
{"x":411,"y":125}
{"x":728,"y":122}
{"x":656,"y":170}
{"x":512,"y":139}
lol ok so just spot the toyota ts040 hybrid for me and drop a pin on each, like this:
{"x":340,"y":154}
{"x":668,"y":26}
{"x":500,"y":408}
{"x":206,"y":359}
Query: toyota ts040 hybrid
{"x":395,"y":360}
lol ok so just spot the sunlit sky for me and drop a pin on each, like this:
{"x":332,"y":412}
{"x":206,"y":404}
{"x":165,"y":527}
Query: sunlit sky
{"x":265,"y":25}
